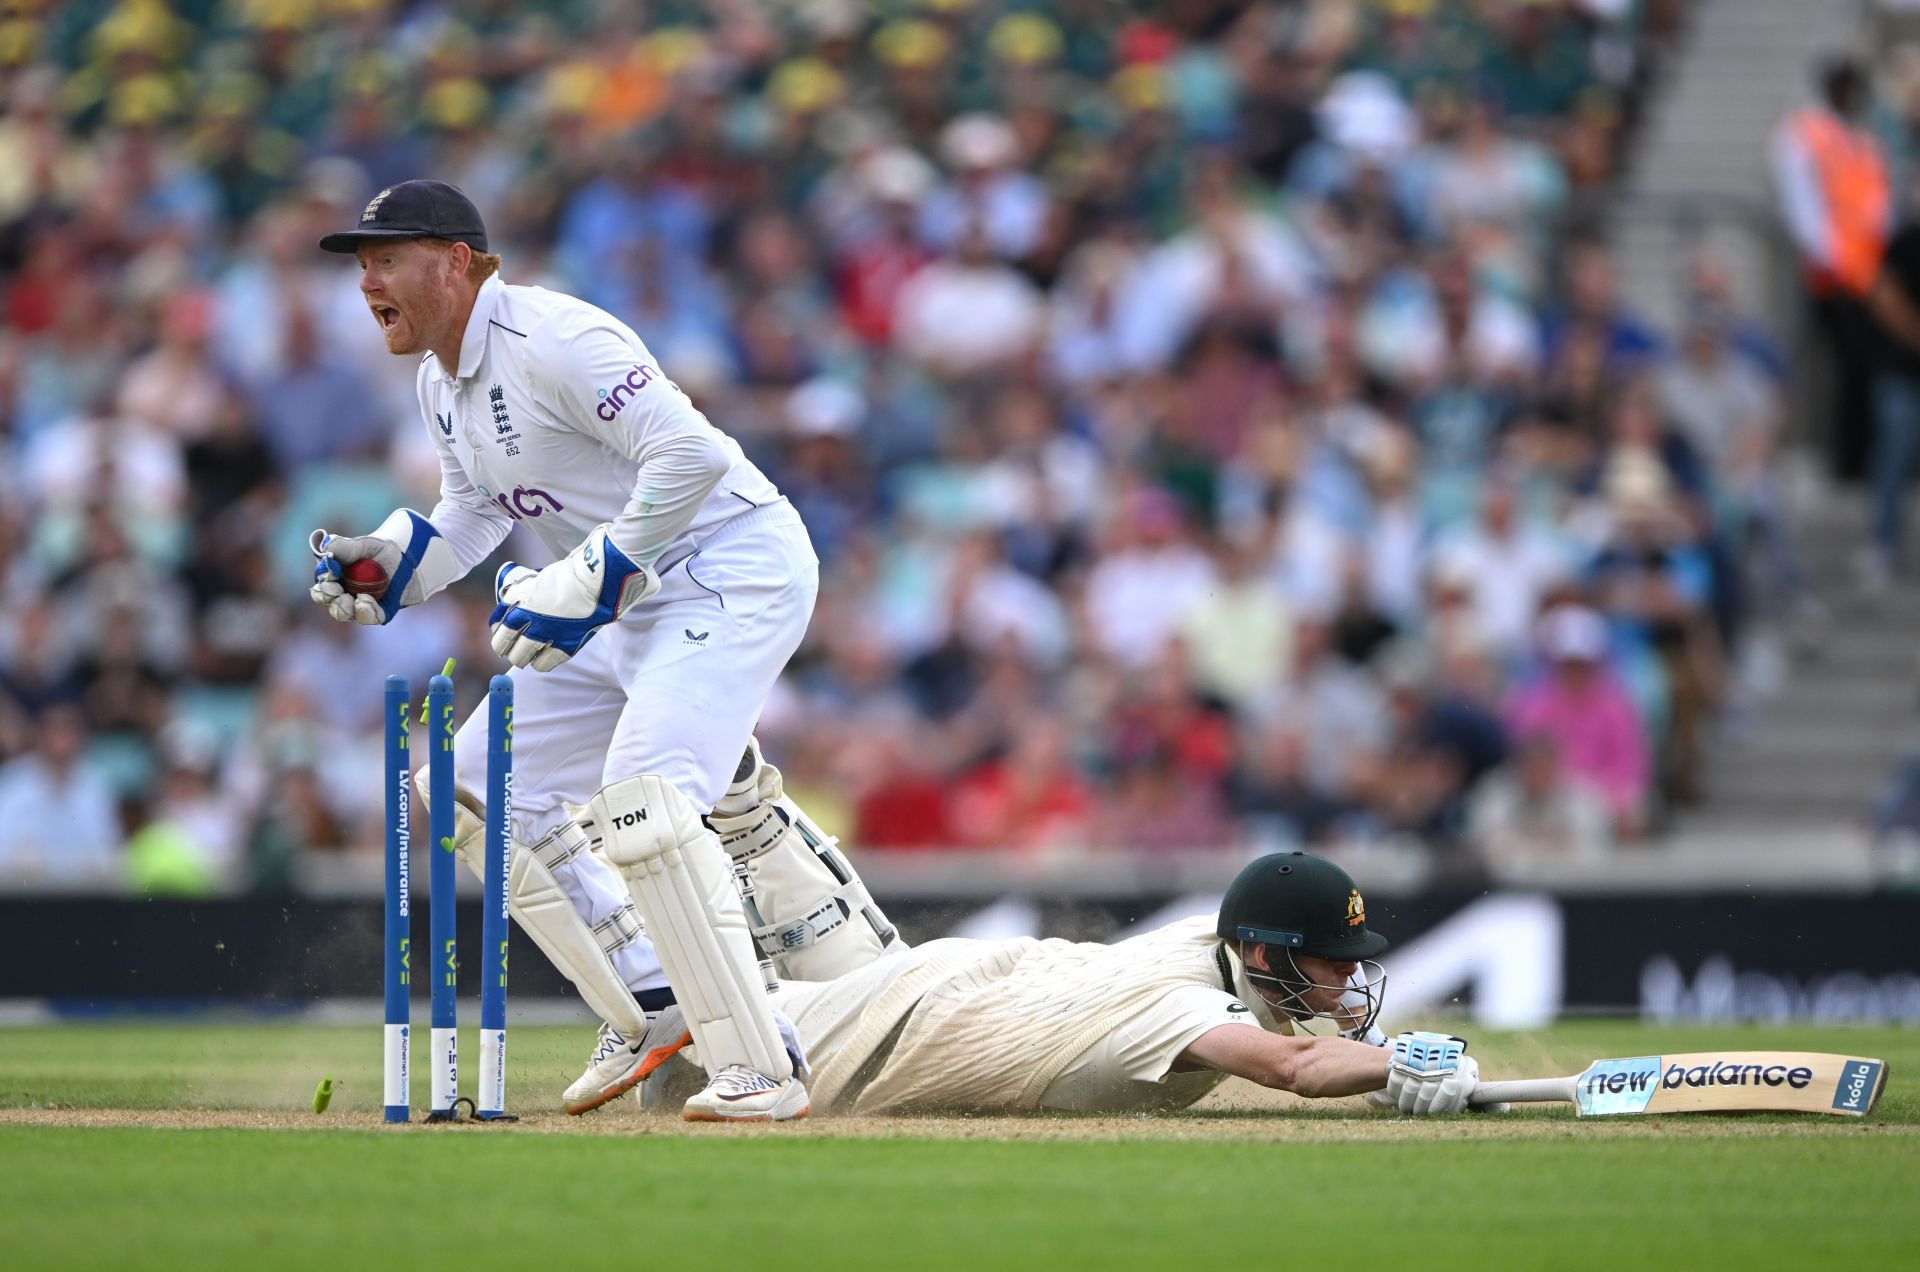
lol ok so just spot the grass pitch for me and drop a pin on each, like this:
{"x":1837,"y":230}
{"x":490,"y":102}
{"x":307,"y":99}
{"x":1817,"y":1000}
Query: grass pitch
{"x":158,"y":1146}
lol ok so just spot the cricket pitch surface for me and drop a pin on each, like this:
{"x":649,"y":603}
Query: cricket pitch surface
{"x":168,"y":1145}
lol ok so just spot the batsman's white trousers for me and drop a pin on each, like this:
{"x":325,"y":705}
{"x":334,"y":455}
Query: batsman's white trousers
{"x":674,"y":687}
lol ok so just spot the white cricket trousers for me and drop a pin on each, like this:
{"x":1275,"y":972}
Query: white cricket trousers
{"x":674,"y":687}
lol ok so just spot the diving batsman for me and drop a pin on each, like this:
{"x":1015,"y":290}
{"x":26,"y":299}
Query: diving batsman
{"x":1148,"y":1024}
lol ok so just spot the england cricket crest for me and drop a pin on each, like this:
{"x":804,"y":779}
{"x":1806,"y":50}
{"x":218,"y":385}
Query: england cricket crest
{"x":373,"y":205}
{"x":502,"y":423}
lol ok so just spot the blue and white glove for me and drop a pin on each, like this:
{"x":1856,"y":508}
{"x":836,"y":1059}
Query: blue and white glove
{"x":416,"y":560}
{"x":1430,"y":1073}
{"x":545,"y":617}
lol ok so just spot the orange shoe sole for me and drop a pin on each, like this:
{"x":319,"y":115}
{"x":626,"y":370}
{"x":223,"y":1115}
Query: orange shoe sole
{"x":631,"y":1079}
{"x":691,"y":1115}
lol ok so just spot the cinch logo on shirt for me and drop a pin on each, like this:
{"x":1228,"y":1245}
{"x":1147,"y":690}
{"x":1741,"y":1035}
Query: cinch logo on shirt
{"x":612,"y":400}
{"x":523,"y":502}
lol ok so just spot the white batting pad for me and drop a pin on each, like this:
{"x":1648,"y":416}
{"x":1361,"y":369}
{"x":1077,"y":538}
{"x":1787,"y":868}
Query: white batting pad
{"x":587,"y":954}
{"x":818,"y":921}
{"x":544,"y":911}
{"x":600,"y":896}
{"x":683,"y":886}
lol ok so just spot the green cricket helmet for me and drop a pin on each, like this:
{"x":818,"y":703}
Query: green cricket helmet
{"x":1294,"y":903}
{"x":1301,"y":902}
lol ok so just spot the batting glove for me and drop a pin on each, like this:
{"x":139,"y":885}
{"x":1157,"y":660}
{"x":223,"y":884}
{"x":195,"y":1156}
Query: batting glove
{"x":417,"y":562}
{"x":544,"y":617}
{"x":1431,"y":1073}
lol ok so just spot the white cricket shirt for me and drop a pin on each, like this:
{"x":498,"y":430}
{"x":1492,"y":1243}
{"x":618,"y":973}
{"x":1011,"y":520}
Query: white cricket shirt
{"x":558,"y":418}
{"x":1022,"y":1025}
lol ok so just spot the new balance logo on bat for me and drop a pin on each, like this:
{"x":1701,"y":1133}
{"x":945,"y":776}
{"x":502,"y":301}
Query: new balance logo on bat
{"x":1723,"y":1074}
{"x":1677,"y":1076}
{"x":1639,"y":1078}
{"x":1626,"y":1086}
{"x":1618,"y":1086}
{"x":1619,"y":1083}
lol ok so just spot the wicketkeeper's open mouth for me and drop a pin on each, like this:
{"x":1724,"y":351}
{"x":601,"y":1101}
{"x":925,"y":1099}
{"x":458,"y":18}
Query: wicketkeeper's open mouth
{"x":387,"y":314}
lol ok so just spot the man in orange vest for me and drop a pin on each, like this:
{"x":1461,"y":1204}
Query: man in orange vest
{"x":1832,"y":184}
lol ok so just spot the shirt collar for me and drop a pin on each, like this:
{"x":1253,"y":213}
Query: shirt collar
{"x":473,"y":344}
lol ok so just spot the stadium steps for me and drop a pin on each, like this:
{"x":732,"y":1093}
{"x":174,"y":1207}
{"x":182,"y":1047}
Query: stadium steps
{"x":1810,"y":760}
{"x":1820,"y":752}
{"x":1699,"y":172}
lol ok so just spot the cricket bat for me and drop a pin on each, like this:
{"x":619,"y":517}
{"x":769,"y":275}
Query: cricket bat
{"x":1707,"y":1082}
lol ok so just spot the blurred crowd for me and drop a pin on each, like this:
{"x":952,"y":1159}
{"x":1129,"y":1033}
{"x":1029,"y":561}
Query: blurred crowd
{"x":1218,"y":423}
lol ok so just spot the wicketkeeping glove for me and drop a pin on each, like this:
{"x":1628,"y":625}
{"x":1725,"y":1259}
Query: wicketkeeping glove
{"x":417,"y":562}
{"x":1431,"y":1073}
{"x":546,"y":616}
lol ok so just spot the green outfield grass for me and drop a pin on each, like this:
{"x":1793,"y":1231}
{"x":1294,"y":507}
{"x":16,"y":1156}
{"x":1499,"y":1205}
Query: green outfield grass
{"x":338,"y":1191}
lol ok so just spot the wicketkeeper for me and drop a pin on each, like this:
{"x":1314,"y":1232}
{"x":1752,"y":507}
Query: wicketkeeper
{"x":681,"y":582}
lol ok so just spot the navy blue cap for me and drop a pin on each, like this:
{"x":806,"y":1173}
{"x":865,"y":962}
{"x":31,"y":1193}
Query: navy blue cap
{"x":414,"y":209}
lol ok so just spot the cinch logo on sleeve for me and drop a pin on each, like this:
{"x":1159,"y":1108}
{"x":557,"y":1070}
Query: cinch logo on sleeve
{"x":1858,"y":1078}
{"x":611,"y":400}
{"x":1618,"y":1086}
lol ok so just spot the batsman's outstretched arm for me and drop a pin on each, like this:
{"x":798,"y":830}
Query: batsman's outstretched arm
{"x":1304,"y":1065}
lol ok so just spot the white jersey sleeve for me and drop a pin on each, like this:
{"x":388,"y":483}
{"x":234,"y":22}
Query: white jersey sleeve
{"x":470,"y":522}
{"x":1147,"y":1046}
{"x":645,"y":418}
{"x":1131,"y":1068}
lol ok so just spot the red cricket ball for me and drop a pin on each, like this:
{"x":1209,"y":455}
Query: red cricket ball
{"x":363,"y":578}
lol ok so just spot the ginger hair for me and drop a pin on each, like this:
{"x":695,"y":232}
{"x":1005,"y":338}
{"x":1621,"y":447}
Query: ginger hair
{"x":483,"y":266}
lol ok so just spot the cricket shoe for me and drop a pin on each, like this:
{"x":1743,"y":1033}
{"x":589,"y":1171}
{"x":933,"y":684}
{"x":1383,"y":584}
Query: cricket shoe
{"x":738,"y":1094}
{"x":617,"y":1065}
